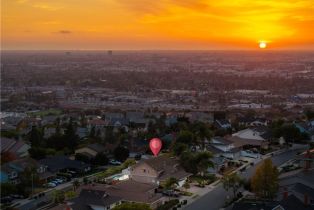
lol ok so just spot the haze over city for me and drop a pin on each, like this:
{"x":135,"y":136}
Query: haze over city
{"x":157,"y":105}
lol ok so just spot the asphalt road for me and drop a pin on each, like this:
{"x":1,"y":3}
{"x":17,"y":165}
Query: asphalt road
{"x":215,"y":199}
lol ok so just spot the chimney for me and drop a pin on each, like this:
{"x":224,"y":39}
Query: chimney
{"x":285,"y":193}
{"x":306,"y":200}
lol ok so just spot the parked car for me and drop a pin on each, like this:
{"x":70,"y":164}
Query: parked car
{"x":115,"y":162}
{"x":6,"y":200}
{"x":16,"y":196}
{"x":51,"y":184}
{"x":73,"y":173}
{"x":60,"y":181}
{"x":54,"y":182}
{"x":170,"y":193}
{"x":138,"y":157}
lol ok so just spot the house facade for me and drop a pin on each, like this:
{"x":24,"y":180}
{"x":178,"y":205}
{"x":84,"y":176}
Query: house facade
{"x":157,"y":170}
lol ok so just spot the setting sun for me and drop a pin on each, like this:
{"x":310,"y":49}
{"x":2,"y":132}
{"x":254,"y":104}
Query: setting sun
{"x":262,"y":45}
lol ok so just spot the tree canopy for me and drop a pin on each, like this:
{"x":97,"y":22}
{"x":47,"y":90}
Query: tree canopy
{"x":170,"y":183}
{"x":265,"y":180}
{"x":233,"y":182}
{"x":121,"y":153}
{"x":196,"y":162}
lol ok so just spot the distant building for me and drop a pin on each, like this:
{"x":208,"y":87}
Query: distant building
{"x":109,"y":52}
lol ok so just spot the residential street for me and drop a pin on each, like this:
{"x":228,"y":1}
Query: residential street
{"x":215,"y":199}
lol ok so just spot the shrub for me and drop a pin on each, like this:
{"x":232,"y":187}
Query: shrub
{"x":168,"y":205}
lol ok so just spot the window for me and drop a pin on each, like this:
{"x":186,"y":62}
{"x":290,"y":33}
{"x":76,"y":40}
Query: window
{"x":144,"y":170}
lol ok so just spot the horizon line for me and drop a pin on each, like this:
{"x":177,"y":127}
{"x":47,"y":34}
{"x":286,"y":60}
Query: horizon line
{"x":123,"y":50}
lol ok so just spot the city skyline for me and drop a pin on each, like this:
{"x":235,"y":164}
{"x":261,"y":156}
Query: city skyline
{"x":160,"y":25}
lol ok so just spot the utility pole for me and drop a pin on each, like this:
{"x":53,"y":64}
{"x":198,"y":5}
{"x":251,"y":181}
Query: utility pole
{"x":32,"y":184}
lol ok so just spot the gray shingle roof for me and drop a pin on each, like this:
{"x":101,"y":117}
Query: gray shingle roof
{"x":93,"y":197}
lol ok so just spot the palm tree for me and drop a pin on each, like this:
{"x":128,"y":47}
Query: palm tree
{"x":203,"y":162}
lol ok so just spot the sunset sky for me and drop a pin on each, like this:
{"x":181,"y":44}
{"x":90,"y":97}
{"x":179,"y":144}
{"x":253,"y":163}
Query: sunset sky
{"x":157,"y":24}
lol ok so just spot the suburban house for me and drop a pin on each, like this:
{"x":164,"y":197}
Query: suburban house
{"x":117,"y":122}
{"x":111,"y":115}
{"x":222,"y":124}
{"x":290,"y":202}
{"x":157,"y":170}
{"x":138,"y":145}
{"x":201,"y":117}
{"x":252,"y":121}
{"x":82,"y":132}
{"x":299,"y":183}
{"x":16,"y":147}
{"x":257,"y":133}
{"x":93,"y":199}
{"x":225,"y":148}
{"x":134,"y":115}
{"x":307,"y":128}
{"x":98,"y":124}
{"x":91,"y":150}
{"x":252,"y":137}
{"x":10,"y":171}
{"x":170,"y":120}
{"x":127,"y":191}
{"x":48,"y":132}
{"x":133,"y":191}
{"x":220,"y":163}
{"x":57,"y":164}
{"x":48,"y":120}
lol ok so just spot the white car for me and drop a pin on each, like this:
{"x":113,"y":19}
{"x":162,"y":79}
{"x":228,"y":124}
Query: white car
{"x":60,"y":181}
{"x":55,"y":182}
{"x":115,"y":162}
{"x":51,"y":184}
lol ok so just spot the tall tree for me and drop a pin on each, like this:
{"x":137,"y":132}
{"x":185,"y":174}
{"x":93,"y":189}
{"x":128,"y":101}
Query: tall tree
{"x":121,"y":153}
{"x":92,"y":132}
{"x":35,"y":137}
{"x":203,"y":162}
{"x":185,"y":137}
{"x":265,"y":180}
{"x":196,"y":162}
{"x":70,"y":136}
{"x":179,"y":148}
{"x":233,"y":182}
{"x":201,"y":132}
{"x":100,"y":159}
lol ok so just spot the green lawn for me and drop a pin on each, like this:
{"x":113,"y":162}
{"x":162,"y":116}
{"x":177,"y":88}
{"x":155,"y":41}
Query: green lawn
{"x":115,"y":169}
{"x":206,"y":179}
